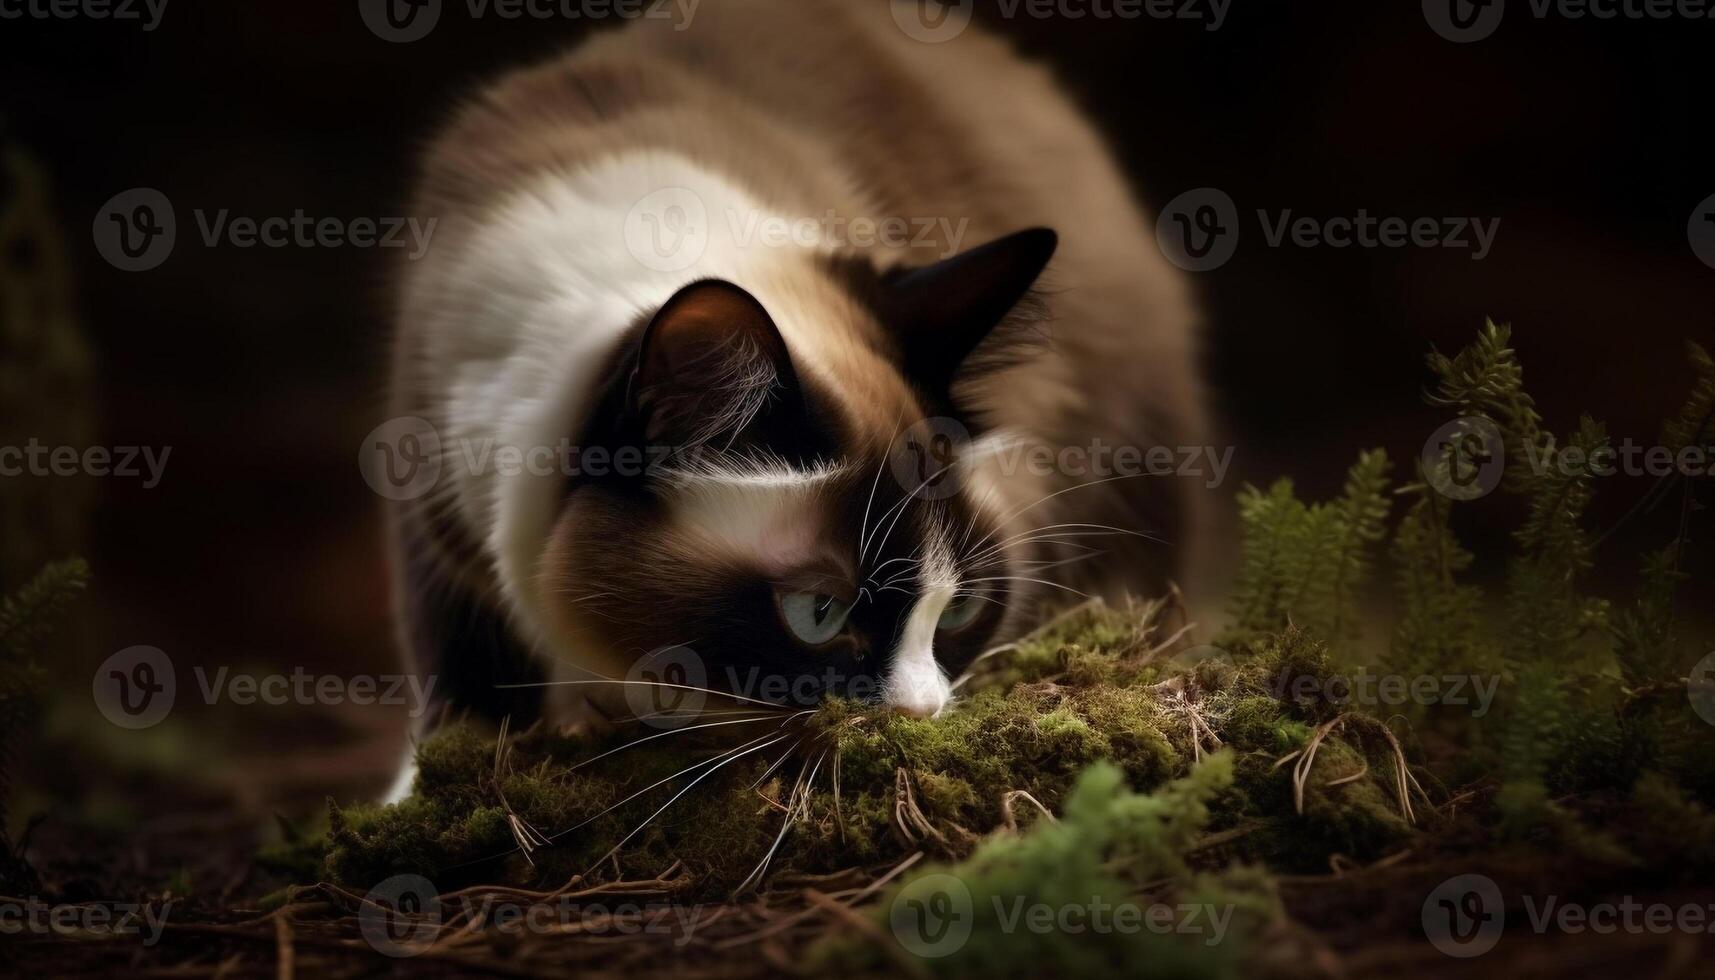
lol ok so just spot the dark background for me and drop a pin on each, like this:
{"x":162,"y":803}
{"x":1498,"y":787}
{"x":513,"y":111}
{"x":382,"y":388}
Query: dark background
{"x":263,"y":368}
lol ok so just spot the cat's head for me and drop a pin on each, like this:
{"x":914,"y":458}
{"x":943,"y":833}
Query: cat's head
{"x":795,"y":522}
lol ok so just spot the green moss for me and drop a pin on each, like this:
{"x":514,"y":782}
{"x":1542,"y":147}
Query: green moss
{"x":1090,"y":690}
{"x":1081,"y":896}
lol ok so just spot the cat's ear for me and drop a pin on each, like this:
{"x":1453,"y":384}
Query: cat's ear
{"x":941,"y":312}
{"x":710,"y":362}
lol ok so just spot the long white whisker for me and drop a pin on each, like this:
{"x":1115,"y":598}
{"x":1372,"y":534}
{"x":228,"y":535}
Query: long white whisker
{"x":660,"y":782}
{"x":688,"y":728}
{"x":777,"y":763}
{"x":1072,"y":530}
{"x":903,"y":501}
{"x":1044,"y":499}
{"x":802,"y":800}
{"x":1025,"y":578}
{"x":886,"y":457}
{"x":681,"y":687}
{"x":728,"y":760}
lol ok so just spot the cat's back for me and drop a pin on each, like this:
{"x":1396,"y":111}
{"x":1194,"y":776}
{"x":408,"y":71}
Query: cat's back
{"x":799,"y":108}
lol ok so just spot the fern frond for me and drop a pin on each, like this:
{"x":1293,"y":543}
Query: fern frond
{"x":1694,"y":425}
{"x":1486,"y":380}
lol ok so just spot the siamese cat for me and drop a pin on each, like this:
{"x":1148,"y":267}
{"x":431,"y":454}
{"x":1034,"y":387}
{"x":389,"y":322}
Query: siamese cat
{"x":788,"y":276}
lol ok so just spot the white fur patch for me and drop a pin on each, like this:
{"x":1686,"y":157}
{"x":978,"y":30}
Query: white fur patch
{"x":915,"y":684}
{"x":761,"y":511}
{"x":523,"y":315}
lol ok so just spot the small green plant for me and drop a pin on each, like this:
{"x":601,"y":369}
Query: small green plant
{"x":26,"y":620}
{"x":1305,"y":564}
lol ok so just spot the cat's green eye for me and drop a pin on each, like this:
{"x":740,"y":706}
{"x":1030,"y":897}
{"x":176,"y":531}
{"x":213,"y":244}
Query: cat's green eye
{"x":959,"y":613}
{"x":813,"y":619}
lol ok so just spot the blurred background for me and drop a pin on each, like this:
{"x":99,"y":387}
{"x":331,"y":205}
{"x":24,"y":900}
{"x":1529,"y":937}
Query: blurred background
{"x":262,"y":368}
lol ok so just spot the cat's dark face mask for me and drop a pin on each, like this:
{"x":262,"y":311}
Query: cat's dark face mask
{"x":776,"y":547}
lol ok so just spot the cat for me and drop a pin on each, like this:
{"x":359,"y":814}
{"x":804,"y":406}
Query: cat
{"x":827,"y":304}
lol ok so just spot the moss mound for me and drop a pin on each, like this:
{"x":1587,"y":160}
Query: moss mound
{"x":852,"y":787}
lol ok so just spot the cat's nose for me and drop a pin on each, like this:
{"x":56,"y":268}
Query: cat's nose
{"x":924,"y":708}
{"x":919,"y":695}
